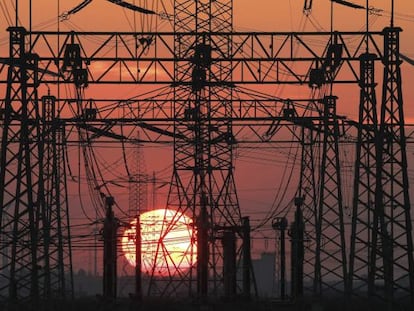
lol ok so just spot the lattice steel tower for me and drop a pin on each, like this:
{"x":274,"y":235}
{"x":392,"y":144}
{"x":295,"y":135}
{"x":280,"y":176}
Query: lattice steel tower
{"x":202,"y":185}
{"x":308,"y":194}
{"x":206,"y":70}
{"x":330,"y":260}
{"x":392,"y":246}
{"x":36,"y":240}
{"x":381,"y":257}
{"x":364,"y":179}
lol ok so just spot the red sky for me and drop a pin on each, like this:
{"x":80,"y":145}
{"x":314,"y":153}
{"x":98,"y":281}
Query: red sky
{"x":258,"y":15}
{"x":257,"y":177}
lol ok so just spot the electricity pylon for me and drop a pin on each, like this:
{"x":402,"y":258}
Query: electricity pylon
{"x":204,"y":61}
{"x":330,"y":258}
{"x":202,"y":184}
{"x":36,"y":239}
{"x":364,"y":180}
{"x":391,"y":251}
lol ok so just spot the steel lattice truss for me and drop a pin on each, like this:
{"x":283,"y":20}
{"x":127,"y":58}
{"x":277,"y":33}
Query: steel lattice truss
{"x":364,"y":182}
{"x":392,"y":245}
{"x":330,"y":261}
{"x":33,"y":198}
{"x":202,"y":184}
{"x":149,"y":58}
{"x":55,"y":231}
{"x":197,"y":78}
{"x":308,"y":191}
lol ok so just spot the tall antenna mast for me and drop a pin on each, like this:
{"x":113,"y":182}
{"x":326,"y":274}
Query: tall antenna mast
{"x":17,"y":12}
{"x":30,"y":22}
{"x":367,"y":29}
{"x":392,"y":13}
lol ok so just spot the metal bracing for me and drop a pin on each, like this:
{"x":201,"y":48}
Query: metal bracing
{"x":199,"y":102}
{"x":203,"y":184}
{"x":250,"y":119}
{"x":33,"y":189}
{"x":138,"y":181}
{"x":330,"y":258}
{"x":364,"y":181}
{"x":55,"y":234}
{"x":308,"y":192}
{"x":391,"y":252}
{"x":149,"y":58}
{"x":124,"y":59}
{"x":21,"y":200}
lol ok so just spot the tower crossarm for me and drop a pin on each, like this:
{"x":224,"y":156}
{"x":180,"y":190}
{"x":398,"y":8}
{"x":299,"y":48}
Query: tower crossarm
{"x":148,"y":58}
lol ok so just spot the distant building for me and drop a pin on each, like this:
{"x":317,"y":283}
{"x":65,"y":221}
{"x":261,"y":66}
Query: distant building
{"x":264,"y":269}
{"x":86,"y":284}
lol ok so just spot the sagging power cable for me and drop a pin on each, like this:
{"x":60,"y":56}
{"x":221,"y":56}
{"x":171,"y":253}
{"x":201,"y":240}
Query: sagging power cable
{"x":131,"y":6}
{"x":85,"y":3}
{"x":75,"y":10}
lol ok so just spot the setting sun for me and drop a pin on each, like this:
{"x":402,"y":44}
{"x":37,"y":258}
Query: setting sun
{"x":167,"y":246}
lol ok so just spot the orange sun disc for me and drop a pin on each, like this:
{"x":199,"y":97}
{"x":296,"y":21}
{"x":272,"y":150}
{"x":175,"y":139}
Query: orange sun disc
{"x":167,"y":244}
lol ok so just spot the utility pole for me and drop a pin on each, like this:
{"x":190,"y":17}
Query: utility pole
{"x":138,"y":260}
{"x":297,"y":236}
{"x":280,"y":224}
{"x":247,"y":258}
{"x":229,"y":264}
{"x":110,"y":251}
{"x":202,"y":251}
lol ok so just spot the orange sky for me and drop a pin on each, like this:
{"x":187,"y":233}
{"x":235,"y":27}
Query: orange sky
{"x":258,"y":15}
{"x":257,"y":188}
{"x":266,"y":15}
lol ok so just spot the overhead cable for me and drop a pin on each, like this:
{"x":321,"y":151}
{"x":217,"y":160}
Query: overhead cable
{"x":79,"y":7}
{"x":407,"y":59}
{"x":349,"y":4}
{"x":131,"y":6}
{"x":75,"y":10}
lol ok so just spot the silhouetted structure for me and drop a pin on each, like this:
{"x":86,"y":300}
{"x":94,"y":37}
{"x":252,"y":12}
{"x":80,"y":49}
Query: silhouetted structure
{"x":202,"y":105}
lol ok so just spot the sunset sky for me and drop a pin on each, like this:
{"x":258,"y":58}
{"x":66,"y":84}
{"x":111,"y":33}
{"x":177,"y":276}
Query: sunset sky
{"x":259,"y":15}
{"x":258,"y":172}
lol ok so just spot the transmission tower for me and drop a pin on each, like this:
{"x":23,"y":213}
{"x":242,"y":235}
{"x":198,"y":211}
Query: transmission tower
{"x":308,"y":194}
{"x":205,"y":65}
{"x":33,"y":188}
{"x":330,"y":262}
{"x":138,"y":183}
{"x":391,"y":251}
{"x":322,"y":269}
{"x":203,"y":184}
{"x":364,"y":180}
{"x":56,"y":232}
{"x":21,"y":198}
